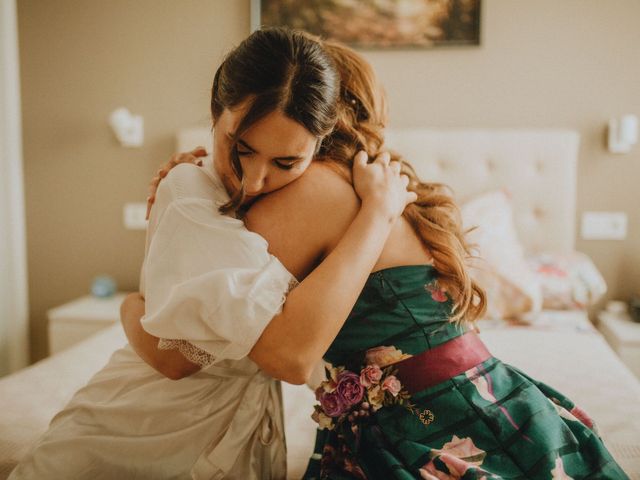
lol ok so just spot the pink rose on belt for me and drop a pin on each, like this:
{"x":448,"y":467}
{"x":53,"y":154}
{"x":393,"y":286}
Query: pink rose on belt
{"x":370,"y":375}
{"x":349,"y":388}
{"x":332,"y":404}
{"x":392,"y":385}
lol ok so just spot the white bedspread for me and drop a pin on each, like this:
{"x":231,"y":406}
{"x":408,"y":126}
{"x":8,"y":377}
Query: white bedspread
{"x":31,"y":397}
{"x":562,"y":350}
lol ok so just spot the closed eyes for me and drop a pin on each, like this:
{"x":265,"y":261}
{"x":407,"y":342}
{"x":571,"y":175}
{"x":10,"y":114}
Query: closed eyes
{"x":284,"y":163}
{"x":280,"y":165}
{"x":285,"y":166}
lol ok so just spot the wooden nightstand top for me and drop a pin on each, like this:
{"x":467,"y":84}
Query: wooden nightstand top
{"x":89,"y":309}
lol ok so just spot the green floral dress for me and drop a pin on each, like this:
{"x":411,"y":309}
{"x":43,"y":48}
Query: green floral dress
{"x":490,"y":422}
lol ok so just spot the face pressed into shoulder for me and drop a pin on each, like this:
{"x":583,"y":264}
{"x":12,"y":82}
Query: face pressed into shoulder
{"x":303,"y":221}
{"x":273,"y":152}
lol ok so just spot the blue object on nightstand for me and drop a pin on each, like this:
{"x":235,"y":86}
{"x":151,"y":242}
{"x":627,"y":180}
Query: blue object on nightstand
{"x":103,"y":286}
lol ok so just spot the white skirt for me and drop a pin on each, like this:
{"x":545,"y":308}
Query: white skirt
{"x":130,"y":422}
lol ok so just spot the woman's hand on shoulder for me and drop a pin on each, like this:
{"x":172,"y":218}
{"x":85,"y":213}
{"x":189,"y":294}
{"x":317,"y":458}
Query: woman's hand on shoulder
{"x":194,"y":156}
{"x":380,"y":185}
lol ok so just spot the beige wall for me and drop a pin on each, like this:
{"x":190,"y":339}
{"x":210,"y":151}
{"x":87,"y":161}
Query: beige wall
{"x":81,"y":59}
{"x":548,"y":63}
{"x":542,"y":63}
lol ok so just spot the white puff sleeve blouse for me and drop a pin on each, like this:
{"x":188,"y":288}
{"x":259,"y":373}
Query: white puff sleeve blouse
{"x":210,"y":285}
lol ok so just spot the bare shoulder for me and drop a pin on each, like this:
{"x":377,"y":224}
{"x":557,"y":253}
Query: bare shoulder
{"x":317,"y":181}
{"x":321,"y":187}
{"x":304,"y":219}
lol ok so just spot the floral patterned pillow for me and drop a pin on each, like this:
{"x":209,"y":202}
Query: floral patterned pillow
{"x":569,"y":281}
{"x":502,"y":270}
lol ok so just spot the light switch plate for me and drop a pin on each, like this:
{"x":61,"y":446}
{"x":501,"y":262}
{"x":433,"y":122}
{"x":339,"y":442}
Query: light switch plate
{"x":604,"y":225}
{"x":133,"y":216}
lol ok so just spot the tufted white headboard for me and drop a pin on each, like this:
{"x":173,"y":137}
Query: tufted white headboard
{"x":538,"y":168}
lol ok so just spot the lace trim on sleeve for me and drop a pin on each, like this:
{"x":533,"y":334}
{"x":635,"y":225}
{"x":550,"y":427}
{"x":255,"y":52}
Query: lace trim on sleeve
{"x":188,"y":350}
{"x":197,"y":355}
{"x":293,"y":283}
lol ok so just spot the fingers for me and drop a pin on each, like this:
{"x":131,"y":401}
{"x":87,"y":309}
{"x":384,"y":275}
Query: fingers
{"x":153,"y":185}
{"x":410,"y":198}
{"x":360,"y":159}
{"x":150,"y":200}
{"x":383,"y":158}
{"x":174,"y":160}
{"x":193,"y":156}
{"x":199,"y":152}
{"x":189,"y":157}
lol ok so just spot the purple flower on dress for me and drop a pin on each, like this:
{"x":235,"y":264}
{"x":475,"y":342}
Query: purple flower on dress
{"x":332,"y":404}
{"x":349,"y":388}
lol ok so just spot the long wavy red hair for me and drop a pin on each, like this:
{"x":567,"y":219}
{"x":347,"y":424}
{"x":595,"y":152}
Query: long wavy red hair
{"x":362,"y":118}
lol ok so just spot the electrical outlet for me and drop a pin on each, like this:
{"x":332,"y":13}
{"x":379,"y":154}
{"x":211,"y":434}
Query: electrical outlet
{"x":133,"y":215}
{"x":604,"y":225}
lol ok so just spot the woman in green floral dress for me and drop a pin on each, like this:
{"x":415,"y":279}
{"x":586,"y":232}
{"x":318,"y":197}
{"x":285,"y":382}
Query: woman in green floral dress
{"x":466,"y":414}
{"x":414,"y":392}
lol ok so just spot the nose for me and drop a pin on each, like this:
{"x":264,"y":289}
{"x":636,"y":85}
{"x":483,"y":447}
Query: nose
{"x":254,"y":177}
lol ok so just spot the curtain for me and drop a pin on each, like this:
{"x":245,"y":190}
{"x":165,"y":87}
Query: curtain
{"x":14,"y":318}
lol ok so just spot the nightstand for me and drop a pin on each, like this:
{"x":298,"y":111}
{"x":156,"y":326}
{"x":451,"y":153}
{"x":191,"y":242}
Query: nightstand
{"x":74,"y":321}
{"x":624,"y":337}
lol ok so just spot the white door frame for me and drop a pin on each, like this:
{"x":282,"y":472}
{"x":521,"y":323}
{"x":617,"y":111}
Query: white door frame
{"x":14,"y":317}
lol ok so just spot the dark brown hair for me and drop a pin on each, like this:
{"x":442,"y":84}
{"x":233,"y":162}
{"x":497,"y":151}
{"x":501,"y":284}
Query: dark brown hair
{"x":279,"y":69}
{"x":362,"y":117}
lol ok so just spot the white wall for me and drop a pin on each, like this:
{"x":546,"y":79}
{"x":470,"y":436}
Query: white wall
{"x":13,"y":280}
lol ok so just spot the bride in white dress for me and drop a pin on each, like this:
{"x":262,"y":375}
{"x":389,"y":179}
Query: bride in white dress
{"x":214,"y":295}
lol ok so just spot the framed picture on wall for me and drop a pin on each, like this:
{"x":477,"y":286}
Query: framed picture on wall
{"x":377,"y":23}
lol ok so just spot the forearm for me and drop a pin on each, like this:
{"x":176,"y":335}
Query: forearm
{"x":170,"y":363}
{"x":316,"y":310}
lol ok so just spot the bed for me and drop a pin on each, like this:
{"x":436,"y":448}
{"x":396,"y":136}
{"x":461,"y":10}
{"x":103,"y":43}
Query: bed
{"x":561,"y":348}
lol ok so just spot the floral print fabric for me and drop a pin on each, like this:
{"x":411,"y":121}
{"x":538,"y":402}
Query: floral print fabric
{"x":490,"y":422}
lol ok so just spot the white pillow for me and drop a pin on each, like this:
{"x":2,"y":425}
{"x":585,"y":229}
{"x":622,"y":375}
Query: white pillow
{"x":512,"y":287}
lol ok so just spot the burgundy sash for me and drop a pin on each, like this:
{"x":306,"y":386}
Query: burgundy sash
{"x":442,"y":362}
